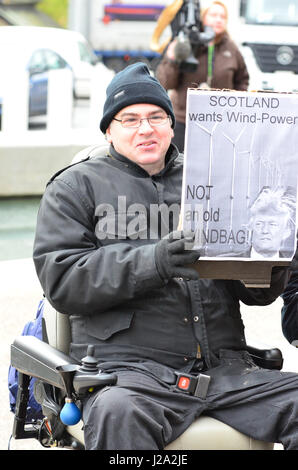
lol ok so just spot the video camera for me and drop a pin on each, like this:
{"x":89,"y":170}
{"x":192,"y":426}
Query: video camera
{"x":189,"y":32}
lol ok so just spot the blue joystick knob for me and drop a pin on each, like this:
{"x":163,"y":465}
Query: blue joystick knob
{"x":70,"y":413}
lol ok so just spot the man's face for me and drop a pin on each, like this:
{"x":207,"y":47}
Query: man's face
{"x":268,"y":232}
{"x":146,"y":145}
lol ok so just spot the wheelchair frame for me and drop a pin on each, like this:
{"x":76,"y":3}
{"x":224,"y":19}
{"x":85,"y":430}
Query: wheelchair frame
{"x":59,"y":376}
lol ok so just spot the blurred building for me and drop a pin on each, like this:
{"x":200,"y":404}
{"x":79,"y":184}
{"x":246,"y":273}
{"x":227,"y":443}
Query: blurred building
{"x":23,"y":13}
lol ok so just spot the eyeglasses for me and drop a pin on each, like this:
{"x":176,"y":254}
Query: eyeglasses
{"x":135,"y":122}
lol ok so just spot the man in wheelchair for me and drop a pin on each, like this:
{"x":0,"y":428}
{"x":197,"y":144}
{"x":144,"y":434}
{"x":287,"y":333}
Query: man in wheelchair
{"x":170,"y":346}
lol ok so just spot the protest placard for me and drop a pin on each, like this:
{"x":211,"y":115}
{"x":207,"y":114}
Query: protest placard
{"x":240,"y":174}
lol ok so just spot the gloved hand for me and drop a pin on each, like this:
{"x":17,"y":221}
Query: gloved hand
{"x":173,"y":252}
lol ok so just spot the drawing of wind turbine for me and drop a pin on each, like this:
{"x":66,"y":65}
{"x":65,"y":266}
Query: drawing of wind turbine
{"x":268,"y":165}
{"x":256,"y":168}
{"x":249,"y":152}
{"x":278,"y":176}
{"x":234,"y":143}
{"x":248,"y":193}
{"x":268,"y":173}
{"x":210,"y":133}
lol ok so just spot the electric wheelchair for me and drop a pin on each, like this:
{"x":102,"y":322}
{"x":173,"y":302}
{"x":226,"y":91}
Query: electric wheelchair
{"x":60,"y":381}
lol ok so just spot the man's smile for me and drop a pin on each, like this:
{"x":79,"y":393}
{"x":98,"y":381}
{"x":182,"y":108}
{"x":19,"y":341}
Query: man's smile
{"x":147,"y":144}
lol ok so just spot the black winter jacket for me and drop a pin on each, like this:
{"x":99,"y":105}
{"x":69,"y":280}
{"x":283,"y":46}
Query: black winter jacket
{"x":111,"y":288}
{"x":290,"y":310}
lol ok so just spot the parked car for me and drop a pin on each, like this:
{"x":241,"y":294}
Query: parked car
{"x":38,"y":63}
{"x":41,"y":62}
{"x":69,"y":45}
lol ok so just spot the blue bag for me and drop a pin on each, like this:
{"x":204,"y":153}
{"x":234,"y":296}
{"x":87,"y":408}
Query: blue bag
{"x":34,"y":411}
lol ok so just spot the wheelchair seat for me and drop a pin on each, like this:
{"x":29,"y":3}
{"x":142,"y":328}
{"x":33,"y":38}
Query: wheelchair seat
{"x":205,"y":433}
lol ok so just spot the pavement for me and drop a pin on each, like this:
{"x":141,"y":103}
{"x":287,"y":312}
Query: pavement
{"x":19,"y":296}
{"x":20,"y":293}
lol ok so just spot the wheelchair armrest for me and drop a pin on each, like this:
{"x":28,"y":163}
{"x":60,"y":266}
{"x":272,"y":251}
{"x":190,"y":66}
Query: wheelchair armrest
{"x":35,"y":358}
{"x":32,"y":357}
{"x":266,"y":358}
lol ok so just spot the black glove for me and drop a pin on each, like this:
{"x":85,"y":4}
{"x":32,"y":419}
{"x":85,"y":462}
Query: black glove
{"x":173,"y":252}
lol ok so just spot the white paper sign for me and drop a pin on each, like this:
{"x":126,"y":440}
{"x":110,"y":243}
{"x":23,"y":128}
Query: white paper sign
{"x":240,"y":173}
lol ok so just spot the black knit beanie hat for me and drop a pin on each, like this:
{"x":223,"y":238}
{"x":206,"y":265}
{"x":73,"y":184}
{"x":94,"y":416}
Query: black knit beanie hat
{"x":133,"y":85}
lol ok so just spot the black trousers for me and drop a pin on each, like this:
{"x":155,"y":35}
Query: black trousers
{"x":143,"y":411}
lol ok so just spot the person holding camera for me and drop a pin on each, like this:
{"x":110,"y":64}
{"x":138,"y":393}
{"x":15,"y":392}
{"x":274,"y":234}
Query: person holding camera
{"x":220,"y":65}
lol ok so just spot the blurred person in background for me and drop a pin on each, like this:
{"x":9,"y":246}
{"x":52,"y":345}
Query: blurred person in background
{"x":220,"y":66}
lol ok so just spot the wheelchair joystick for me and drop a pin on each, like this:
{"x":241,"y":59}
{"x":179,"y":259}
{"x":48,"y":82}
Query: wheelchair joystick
{"x":89,"y":363}
{"x":89,"y":377}
{"x":70,"y":413}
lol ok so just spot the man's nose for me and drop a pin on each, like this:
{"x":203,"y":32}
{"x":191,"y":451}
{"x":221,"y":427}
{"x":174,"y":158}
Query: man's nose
{"x":265,"y":228}
{"x":145,"y":126}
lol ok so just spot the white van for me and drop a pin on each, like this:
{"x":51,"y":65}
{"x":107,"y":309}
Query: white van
{"x":70,"y":45}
